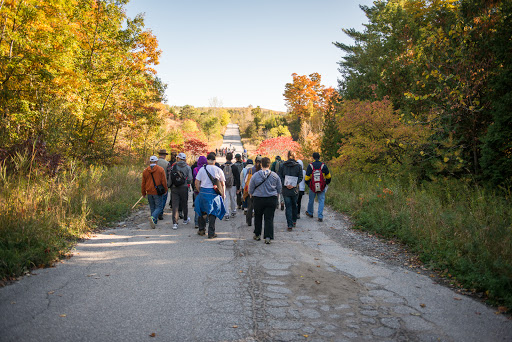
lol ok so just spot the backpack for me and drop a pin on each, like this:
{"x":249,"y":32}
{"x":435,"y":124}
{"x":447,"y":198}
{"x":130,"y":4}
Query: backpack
{"x":246,"y":187}
{"x":279,"y":163}
{"x":177,"y":176}
{"x":228,"y":173}
{"x":317,"y":182}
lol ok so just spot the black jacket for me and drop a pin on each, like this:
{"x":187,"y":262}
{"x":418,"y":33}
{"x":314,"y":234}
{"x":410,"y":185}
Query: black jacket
{"x":290,"y":168}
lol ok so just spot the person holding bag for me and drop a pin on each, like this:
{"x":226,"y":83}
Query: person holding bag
{"x":264,"y":188}
{"x":154,"y":185}
{"x":209,"y":202}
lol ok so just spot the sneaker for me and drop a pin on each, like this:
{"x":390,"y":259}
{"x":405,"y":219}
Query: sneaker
{"x":186,"y":221}
{"x":175,"y":226}
{"x":298,"y":216}
{"x":249,"y":224}
{"x":233,"y":214}
{"x":290,"y":229}
{"x":308,"y":214}
{"x":212,"y":236}
{"x":160,"y":218}
{"x":226,"y":217}
{"x":152,"y":222}
{"x":181,"y":216}
{"x":256,"y":237}
{"x":294,"y":224}
{"x":196,"y":226}
{"x":282,"y":205}
{"x":200,"y":232}
{"x":267,"y":241}
{"x":245,"y":211}
{"x":320,"y":220}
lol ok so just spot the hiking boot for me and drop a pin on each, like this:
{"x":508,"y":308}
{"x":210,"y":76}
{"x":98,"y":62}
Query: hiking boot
{"x":308,"y":214}
{"x":290,"y":229}
{"x":175,"y":226}
{"x":256,"y":237}
{"x":267,"y":241}
{"x":282,"y":205}
{"x":200,"y":232}
{"x":212,"y":236}
{"x":186,"y":221}
{"x":320,"y":220}
{"x":152,"y":222}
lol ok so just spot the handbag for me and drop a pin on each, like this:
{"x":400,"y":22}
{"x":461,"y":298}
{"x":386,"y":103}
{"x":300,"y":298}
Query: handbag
{"x":217,"y":186}
{"x":160,"y":190}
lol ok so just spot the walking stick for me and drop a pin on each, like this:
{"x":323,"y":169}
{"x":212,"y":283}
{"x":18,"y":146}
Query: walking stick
{"x":141,"y":197}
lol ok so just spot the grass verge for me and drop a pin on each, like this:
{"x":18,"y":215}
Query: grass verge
{"x":42,"y":217}
{"x":463,"y":231}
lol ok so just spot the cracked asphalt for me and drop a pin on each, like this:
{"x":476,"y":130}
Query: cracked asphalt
{"x":134,"y":283}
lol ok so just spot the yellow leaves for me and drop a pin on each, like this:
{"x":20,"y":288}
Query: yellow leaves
{"x":446,"y":159}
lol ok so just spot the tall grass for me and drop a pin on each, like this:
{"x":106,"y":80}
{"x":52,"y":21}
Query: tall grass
{"x":460,"y":229}
{"x":42,"y":216}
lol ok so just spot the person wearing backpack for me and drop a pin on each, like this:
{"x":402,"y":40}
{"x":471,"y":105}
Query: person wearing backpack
{"x":317,"y":178}
{"x":181,"y":178}
{"x":232,"y":185}
{"x":240,"y":166}
{"x":302,"y":189}
{"x":264,"y":188}
{"x":209,"y":203}
{"x":248,"y":175}
{"x":162,"y":154}
{"x":291,"y":170}
{"x":276,"y":166}
{"x":154,"y":185}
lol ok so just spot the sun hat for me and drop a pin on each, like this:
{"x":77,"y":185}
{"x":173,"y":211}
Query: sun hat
{"x":182,"y":156}
{"x":162,"y":151}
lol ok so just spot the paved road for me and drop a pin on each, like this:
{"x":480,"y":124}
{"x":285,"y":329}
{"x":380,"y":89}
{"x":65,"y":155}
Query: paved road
{"x":128,"y":283}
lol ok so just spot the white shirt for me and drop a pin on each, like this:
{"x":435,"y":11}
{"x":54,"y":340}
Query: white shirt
{"x":215,"y":171}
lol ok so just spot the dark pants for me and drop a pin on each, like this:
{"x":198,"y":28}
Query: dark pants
{"x":239,"y":199}
{"x":291,"y":209}
{"x":299,"y":201}
{"x":250,"y":208}
{"x":264,"y":207}
{"x":211,"y":223}
{"x":179,"y":199}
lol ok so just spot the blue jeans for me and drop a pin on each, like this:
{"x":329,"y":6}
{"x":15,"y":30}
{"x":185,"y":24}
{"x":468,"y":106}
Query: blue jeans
{"x":164,"y":201}
{"x":290,"y":203}
{"x":321,"y":201}
{"x":155,"y":206}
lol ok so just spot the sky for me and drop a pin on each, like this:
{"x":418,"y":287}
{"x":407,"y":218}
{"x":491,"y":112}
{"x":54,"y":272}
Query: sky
{"x":243,"y":52}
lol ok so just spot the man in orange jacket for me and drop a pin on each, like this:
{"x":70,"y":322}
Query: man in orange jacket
{"x":153,"y":176}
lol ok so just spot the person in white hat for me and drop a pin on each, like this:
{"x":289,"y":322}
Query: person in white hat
{"x":180,"y":180}
{"x":152,"y":177}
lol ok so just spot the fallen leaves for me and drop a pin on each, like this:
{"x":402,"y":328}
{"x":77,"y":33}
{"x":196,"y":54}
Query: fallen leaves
{"x":423,"y":305}
{"x":235,"y":326}
{"x":316,"y":281}
{"x":152,"y":335}
{"x":63,"y":315}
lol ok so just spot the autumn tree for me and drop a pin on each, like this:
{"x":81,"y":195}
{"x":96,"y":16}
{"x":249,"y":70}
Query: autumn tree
{"x":278,"y":147}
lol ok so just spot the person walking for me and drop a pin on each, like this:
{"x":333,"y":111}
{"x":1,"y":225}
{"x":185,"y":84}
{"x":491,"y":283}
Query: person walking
{"x":302,"y":189}
{"x":162,"y":155}
{"x":232,"y":176}
{"x":291,"y":175}
{"x":240,"y":166}
{"x":317,"y":178}
{"x":181,"y":178}
{"x":154,"y":185}
{"x":264,"y":188}
{"x":244,"y":186}
{"x":250,"y":205}
{"x":209,"y":203}
{"x":276,"y":166}
{"x":201,"y":161}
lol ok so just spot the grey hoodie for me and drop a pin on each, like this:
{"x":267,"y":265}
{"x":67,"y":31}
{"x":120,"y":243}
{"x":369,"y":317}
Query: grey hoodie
{"x":183,"y":167}
{"x":290,"y":168}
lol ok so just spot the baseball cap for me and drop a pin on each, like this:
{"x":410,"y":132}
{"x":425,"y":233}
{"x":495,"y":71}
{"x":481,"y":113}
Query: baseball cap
{"x":249,"y":161}
{"x":238,"y":155}
{"x":182,"y":155}
{"x":153,"y":158}
{"x":258,"y":158}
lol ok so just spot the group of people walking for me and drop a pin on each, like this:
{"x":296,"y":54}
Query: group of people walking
{"x":258,"y":187}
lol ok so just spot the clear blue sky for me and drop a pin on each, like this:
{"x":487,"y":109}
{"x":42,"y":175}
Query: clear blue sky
{"x":244,"y":52}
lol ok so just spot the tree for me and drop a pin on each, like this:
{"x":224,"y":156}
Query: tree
{"x":278,"y":147}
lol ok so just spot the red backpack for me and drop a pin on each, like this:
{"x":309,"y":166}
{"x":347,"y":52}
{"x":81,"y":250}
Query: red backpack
{"x":317,"y":182}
